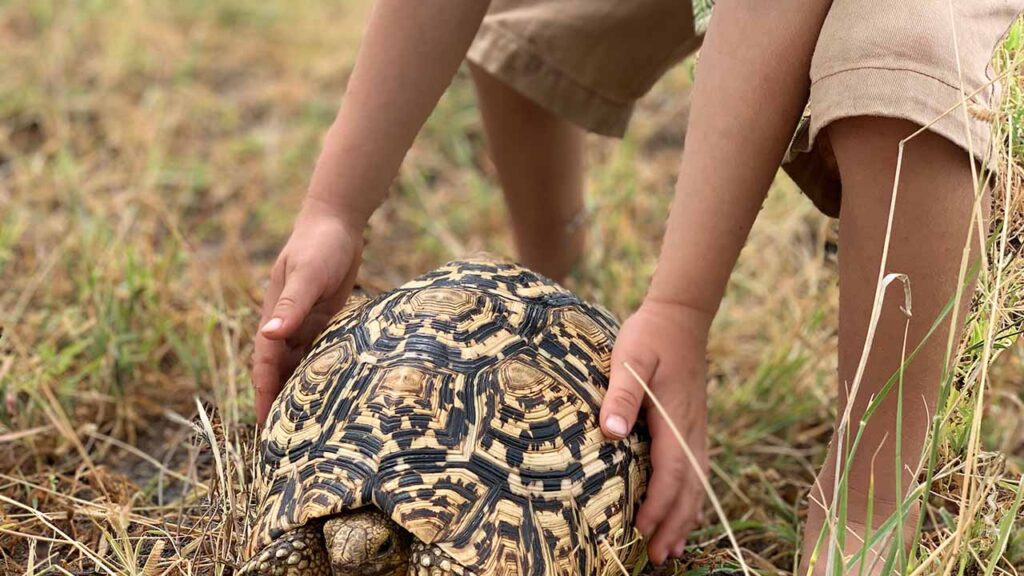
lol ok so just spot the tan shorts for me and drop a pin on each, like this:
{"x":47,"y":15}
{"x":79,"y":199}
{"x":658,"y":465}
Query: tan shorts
{"x":589,"y":61}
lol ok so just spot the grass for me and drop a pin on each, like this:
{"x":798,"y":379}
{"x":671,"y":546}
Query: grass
{"x":152,"y":155}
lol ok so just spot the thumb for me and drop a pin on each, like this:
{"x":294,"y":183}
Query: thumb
{"x":297,"y":298}
{"x":621,"y":404}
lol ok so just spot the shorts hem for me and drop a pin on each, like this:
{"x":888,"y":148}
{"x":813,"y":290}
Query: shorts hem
{"x":884,"y":92}
{"x":896,"y":93}
{"x":516,"y":64}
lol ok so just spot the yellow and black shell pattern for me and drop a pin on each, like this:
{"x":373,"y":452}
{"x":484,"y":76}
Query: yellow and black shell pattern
{"x":464,"y":405}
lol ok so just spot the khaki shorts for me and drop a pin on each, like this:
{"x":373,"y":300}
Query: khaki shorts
{"x":589,"y":61}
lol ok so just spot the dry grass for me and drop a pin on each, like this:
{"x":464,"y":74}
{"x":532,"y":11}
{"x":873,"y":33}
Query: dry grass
{"x":151,"y":157}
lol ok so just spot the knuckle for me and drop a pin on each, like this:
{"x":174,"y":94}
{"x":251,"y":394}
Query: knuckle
{"x":641,"y":360}
{"x":264,"y":364}
{"x":261,"y":384}
{"x":630,"y":397}
{"x":678,"y":479}
{"x":682,"y":514}
{"x":263,"y":361}
{"x":675,"y":472}
{"x":307,"y":266}
{"x":265,"y":380}
{"x":638,"y":356}
{"x":654,"y":511}
{"x":673,"y":469}
{"x":286,"y":302}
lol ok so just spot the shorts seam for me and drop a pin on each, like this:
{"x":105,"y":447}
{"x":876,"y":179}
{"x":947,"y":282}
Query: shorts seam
{"x":525,"y":46}
{"x":885,"y":69}
{"x":913,"y":104}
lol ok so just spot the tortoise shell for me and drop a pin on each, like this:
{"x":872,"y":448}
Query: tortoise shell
{"x":464,"y":405}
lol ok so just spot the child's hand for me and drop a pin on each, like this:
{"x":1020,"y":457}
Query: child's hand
{"x":665,"y":344}
{"x":310,"y":281}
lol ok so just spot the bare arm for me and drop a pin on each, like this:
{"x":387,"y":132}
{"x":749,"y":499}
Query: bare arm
{"x":410,"y":52}
{"x":752,"y":83}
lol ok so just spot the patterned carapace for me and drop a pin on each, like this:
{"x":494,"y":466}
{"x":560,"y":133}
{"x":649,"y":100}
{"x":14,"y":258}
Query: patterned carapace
{"x":464,"y":405}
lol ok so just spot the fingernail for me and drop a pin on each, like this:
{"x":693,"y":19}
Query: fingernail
{"x":271,"y":325}
{"x":616,"y":425}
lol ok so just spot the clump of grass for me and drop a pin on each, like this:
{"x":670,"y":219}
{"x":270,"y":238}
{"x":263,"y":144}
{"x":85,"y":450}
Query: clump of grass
{"x":981,"y":522}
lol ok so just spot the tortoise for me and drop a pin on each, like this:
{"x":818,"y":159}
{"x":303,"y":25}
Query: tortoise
{"x":450,"y":427}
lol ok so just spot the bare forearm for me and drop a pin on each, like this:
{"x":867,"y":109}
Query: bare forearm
{"x":410,"y":52}
{"x":752,"y":83}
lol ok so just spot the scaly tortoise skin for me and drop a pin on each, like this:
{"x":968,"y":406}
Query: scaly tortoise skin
{"x":449,"y":427}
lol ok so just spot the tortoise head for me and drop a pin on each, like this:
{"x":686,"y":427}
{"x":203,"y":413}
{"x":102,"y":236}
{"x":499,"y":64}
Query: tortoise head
{"x":366,"y":542}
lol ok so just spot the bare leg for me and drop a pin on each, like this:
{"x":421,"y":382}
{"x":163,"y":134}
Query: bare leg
{"x":930,"y":226}
{"x":539,"y":158}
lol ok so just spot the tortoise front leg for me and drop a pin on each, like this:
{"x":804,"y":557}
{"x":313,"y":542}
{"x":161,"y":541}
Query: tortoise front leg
{"x":429,"y":560}
{"x":300,"y":552}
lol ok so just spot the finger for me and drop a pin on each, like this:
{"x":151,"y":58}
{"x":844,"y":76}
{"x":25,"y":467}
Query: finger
{"x":301,"y":291}
{"x":661,"y":493}
{"x":680,"y":547}
{"x":625,"y":395}
{"x":676,"y":527}
{"x":268,"y":357}
{"x":699,"y":522}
